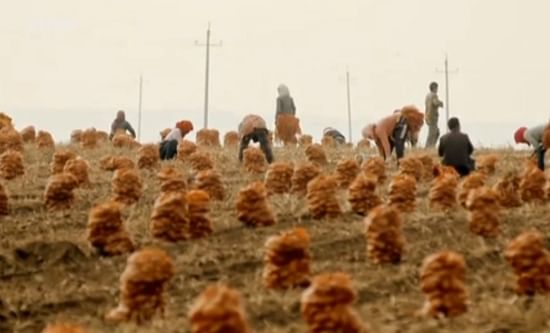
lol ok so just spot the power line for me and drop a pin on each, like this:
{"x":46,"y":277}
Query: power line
{"x":207,"y":71}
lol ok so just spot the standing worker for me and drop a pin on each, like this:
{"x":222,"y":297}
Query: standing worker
{"x":432,"y":115}
{"x":121,"y":124}
{"x":533,"y":137}
{"x":253,"y":127}
{"x":286,"y":124}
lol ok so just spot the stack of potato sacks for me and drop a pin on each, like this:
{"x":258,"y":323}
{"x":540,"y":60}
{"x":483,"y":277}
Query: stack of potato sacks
{"x":316,"y":154}
{"x":326,"y":305}
{"x":142,"y":286}
{"x":321,"y":197}
{"x":484,"y":210}
{"x":531,"y":263}
{"x":384,"y":235}
{"x":287,"y":260}
{"x":218,"y":309}
{"x":254,"y":160}
{"x":231,"y":139}
{"x":208,"y":137}
{"x":278,"y":178}
{"x":253,"y":208}
{"x":346,"y":171}
{"x":303,"y":174}
{"x":442,"y":282}
{"x":442,"y":193}
{"x":362,"y":194}
{"x":106,"y":231}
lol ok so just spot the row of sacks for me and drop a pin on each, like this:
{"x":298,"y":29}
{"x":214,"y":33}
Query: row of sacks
{"x":327,"y":300}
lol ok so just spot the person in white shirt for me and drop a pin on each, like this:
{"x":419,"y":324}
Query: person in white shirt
{"x":169,"y":145}
{"x":533,"y":137}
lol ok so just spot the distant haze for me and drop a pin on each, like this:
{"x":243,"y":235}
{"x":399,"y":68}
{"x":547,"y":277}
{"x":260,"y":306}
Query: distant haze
{"x":67,"y":64}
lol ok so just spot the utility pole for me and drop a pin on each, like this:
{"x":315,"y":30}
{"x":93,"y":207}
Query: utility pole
{"x":207,"y":72}
{"x":446,"y":71}
{"x":349,"y":106}
{"x":139,"y":105}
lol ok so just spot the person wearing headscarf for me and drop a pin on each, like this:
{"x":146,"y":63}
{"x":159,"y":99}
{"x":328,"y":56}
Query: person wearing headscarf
{"x":394,"y":130}
{"x":533,"y":137}
{"x":287,"y":126}
{"x":120,"y":123}
{"x":253,"y":127}
{"x":335,"y":134}
{"x":285,"y":103}
{"x":169,"y":145}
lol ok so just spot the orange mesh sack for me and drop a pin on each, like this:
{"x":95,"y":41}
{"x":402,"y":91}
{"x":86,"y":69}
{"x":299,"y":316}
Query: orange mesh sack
{"x":316,"y":154}
{"x":442,"y":193}
{"x":126,"y":186}
{"x":231,"y":139}
{"x":122,"y":140}
{"x":484,"y":212}
{"x":78,"y":167}
{"x":326,"y":305}
{"x":169,"y":220}
{"x":278,"y":179}
{"x":472,"y":181}
{"x":201,"y":161}
{"x":60,"y":157}
{"x":362,"y":194}
{"x":185,"y":149}
{"x":346,"y":171}
{"x":89,"y":139}
{"x":5,"y":121}
{"x":402,"y":193}
{"x":210,"y":181}
{"x":208,"y":137}
{"x":531,"y":263}
{"x":102,"y":136}
{"x":303,"y":174}
{"x":253,"y":209}
{"x":4,"y":201}
{"x":531,"y":186}
{"x":63,"y":328}
{"x":442,"y":279}
{"x":507,"y":189}
{"x":375,"y":166}
{"x":59,"y":191}
{"x":254,"y":160}
{"x":142,"y":286}
{"x":487,"y":163}
{"x":106,"y":231}
{"x":28,"y":134}
{"x":149,"y":156}
{"x":198,"y":202}
{"x":287,"y":260}
{"x":44,"y":140}
{"x":411,"y":166}
{"x":113,"y":163}
{"x":328,"y":141}
{"x":428,"y":164}
{"x":288,"y":127}
{"x":171,"y":180}
{"x":218,"y":309}
{"x":76,"y":136}
{"x":305,"y":140}
{"x":384,"y":235}
{"x":11,"y":164}
{"x":10,"y":139}
{"x":321,"y":197}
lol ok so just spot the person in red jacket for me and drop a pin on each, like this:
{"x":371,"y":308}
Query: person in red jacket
{"x":533,"y":137}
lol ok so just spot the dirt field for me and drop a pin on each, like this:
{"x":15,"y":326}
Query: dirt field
{"x":49,"y":272}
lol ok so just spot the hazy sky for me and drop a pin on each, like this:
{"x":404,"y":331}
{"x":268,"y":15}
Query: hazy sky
{"x":80,"y":61}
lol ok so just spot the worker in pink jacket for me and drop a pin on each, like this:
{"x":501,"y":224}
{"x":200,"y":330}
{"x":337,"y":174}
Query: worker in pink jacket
{"x":392,"y":131}
{"x":253,"y":127}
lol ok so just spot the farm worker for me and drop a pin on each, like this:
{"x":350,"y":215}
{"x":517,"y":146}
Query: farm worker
{"x":120,"y":123}
{"x":169,"y":145}
{"x":337,"y":136}
{"x":253,"y":127}
{"x":533,"y":137}
{"x":432,"y":115}
{"x":392,"y":131}
{"x":455,"y":148}
{"x":287,"y":126}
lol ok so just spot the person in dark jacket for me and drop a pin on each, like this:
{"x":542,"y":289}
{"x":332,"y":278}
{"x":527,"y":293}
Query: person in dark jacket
{"x":169,"y":145}
{"x":337,"y":136}
{"x":456,"y":149}
{"x":285,"y":103}
{"x":253,"y":127}
{"x":120,"y":123}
